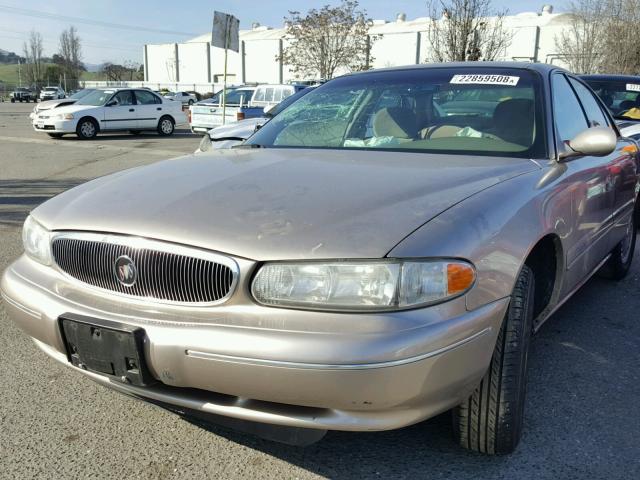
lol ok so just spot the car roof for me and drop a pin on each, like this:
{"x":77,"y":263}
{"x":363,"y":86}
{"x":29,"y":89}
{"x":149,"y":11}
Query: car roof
{"x":117,"y":89}
{"x":537,"y":67}
{"x":604,"y":76}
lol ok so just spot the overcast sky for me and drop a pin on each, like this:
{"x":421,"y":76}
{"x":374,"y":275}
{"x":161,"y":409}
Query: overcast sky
{"x":185,"y":19}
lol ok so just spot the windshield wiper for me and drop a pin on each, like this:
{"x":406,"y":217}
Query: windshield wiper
{"x":249,"y":145}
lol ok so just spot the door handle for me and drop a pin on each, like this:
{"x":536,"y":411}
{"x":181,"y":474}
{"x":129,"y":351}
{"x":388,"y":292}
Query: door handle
{"x":159,"y":108}
{"x":132,"y":109}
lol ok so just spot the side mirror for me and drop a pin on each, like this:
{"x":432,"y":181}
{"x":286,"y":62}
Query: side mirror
{"x":594,"y":141}
{"x":111,"y":103}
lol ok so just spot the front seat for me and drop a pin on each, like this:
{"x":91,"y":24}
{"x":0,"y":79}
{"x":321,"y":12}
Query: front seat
{"x":395,"y":122}
{"x":513,"y":121}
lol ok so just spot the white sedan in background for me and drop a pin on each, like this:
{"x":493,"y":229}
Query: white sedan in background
{"x":184,"y":98}
{"x":109,"y":110}
{"x":51,"y":93}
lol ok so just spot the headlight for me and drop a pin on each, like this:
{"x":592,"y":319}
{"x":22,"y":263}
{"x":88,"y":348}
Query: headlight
{"x":360,"y":285}
{"x":65,"y":116}
{"x":36,"y":241}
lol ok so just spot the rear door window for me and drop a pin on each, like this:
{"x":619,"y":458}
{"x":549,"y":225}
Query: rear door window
{"x":146,"y":98}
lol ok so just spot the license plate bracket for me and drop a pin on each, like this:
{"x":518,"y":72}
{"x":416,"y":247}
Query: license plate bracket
{"x":107,"y":348}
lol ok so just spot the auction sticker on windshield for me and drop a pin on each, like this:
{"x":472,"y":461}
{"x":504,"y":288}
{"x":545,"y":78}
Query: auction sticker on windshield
{"x":485,"y":79}
{"x":632,"y":87}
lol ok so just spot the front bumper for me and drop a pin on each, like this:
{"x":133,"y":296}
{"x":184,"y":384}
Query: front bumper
{"x":54,"y":126}
{"x":240,"y":361}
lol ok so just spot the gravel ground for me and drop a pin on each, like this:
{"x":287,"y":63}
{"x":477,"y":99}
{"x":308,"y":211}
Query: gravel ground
{"x":581,"y":421}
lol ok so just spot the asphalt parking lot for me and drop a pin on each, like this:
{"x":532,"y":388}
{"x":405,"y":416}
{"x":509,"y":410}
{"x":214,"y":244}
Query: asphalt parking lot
{"x":582,"y":418}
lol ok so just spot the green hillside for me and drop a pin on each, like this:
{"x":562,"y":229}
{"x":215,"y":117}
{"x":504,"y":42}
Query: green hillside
{"x":9,"y":74}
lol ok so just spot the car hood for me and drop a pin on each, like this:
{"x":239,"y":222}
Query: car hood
{"x":242,"y":129}
{"x":74,"y":108}
{"x":269,"y":204}
{"x":54,"y":103}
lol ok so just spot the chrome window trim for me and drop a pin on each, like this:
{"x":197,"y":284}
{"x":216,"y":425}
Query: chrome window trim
{"x":155,"y":245}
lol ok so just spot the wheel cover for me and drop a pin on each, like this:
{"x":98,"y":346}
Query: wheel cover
{"x":166,"y":126}
{"x":88,"y":129}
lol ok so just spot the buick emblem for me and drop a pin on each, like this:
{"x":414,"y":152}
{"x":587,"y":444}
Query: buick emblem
{"x":126,"y":271}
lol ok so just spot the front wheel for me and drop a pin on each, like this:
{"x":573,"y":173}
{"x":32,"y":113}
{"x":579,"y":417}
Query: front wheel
{"x":86,"y":129}
{"x":166,"y":126}
{"x":490,"y":421}
{"x":190,"y":102}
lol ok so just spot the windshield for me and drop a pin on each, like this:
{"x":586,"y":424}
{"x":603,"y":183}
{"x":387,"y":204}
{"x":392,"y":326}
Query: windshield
{"x":483,"y":111}
{"x":96,"y":98}
{"x":620,"y":96}
{"x":51,"y":89}
{"x":82,"y":93}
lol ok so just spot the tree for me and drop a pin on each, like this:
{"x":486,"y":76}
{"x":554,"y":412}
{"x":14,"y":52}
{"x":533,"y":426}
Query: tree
{"x":70,"y":53}
{"x":581,"y":44}
{"x":466,"y":30}
{"x":326,"y":40}
{"x":621,"y":45}
{"x":53,"y":74}
{"x":117,"y":73}
{"x":32,"y":50}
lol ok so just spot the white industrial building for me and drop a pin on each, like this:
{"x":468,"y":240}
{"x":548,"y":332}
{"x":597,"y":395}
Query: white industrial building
{"x":195,"y":65}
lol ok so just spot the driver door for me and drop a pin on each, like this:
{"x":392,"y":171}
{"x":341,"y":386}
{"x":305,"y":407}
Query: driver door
{"x":590,"y":181}
{"x":120,"y":112}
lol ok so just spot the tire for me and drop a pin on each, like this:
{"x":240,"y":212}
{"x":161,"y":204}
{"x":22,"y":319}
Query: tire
{"x":166,"y":125}
{"x":134,"y":132}
{"x":619,"y":262}
{"x":13,"y":100}
{"x":87,"y":128}
{"x":55,"y":135}
{"x":490,"y":421}
{"x":190,"y":102}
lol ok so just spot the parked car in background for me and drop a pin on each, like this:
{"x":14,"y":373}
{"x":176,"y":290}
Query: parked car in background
{"x":263,"y":99}
{"x":207,"y":114}
{"x":51,"y":93}
{"x":112,"y":109}
{"x":183,"y":97}
{"x":232,"y":134}
{"x":23,"y":94}
{"x":361,"y":263}
{"x":49,"y":104}
{"x":268,"y":95}
{"x":621,"y":95}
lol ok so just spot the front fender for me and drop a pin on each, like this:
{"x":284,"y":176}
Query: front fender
{"x":495,"y":229}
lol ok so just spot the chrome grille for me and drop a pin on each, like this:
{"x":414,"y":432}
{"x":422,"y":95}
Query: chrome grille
{"x":165,"y":272}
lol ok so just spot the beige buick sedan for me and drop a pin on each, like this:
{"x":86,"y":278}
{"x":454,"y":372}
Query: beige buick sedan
{"x":378,"y":253}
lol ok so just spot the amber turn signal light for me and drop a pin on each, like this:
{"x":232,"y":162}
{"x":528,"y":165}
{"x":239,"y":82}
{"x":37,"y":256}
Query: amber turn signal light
{"x":460,"y":277}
